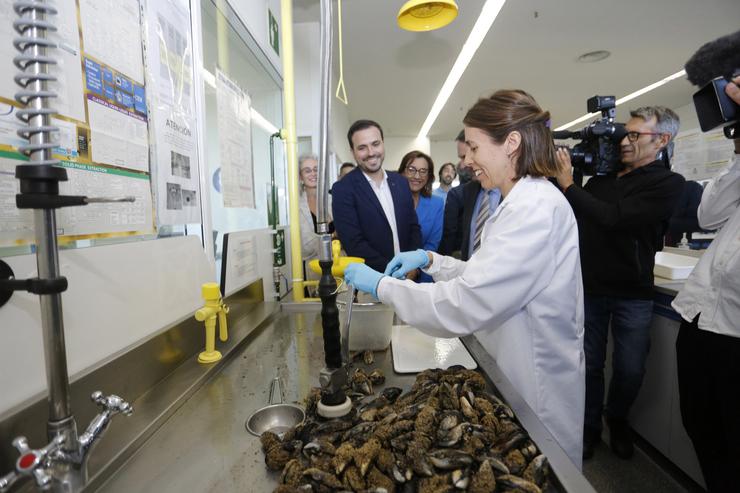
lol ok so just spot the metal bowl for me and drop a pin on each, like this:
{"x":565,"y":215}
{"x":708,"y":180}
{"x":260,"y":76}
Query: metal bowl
{"x":277,"y":418}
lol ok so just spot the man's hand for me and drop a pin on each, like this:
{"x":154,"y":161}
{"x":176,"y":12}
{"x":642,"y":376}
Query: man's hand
{"x":565,"y":173}
{"x":733,"y":89}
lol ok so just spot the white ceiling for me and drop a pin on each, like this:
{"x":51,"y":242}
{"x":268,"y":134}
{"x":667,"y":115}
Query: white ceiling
{"x":393,"y":76}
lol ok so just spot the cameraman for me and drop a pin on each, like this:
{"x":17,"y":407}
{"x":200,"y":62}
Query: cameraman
{"x":708,"y":344}
{"x":621,"y":221}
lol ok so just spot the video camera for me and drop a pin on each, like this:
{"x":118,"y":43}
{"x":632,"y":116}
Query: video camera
{"x":598,"y":153}
{"x":712,"y":67}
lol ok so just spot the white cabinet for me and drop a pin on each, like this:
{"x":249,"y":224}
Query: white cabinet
{"x":656,"y":414}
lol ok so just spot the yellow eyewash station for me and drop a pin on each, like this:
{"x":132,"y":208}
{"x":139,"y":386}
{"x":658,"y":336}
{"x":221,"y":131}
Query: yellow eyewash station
{"x":214,"y":308}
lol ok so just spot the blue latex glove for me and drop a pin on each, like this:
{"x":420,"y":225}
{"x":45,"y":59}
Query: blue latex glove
{"x":405,"y":262}
{"x":363,"y":278}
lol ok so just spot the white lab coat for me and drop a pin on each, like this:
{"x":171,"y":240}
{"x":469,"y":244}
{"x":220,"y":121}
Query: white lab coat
{"x":522,"y":294}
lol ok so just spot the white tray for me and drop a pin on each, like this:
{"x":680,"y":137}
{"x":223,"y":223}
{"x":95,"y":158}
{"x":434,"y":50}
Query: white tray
{"x":414,"y":351}
{"x":673,"y":266}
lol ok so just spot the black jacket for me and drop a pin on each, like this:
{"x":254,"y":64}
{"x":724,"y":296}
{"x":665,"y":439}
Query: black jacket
{"x":684,"y":218}
{"x":621,"y":222}
{"x":458,"y":215}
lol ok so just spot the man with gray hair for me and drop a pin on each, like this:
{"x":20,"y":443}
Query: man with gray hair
{"x":621,"y":221}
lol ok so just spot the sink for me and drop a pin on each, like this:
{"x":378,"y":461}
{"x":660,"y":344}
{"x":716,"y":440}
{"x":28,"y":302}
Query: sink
{"x":673,"y":266}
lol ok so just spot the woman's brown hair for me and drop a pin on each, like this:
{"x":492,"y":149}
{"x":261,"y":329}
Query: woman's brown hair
{"x":410,"y":158}
{"x":512,"y":110}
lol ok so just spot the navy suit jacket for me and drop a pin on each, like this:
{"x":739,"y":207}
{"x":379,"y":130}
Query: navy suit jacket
{"x":361,"y":224}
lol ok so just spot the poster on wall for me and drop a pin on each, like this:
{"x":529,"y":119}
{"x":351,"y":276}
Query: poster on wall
{"x":701,"y":156}
{"x":234,"y":143}
{"x":83,"y":179}
{"x":68,"y":86}
{"x":101,"y":136}
{"x":169,"y":73}
{"x":111,"y":32}
{"x":117,"y":110}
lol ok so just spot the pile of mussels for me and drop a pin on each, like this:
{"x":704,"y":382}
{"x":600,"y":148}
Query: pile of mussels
{"x":446,"y":434}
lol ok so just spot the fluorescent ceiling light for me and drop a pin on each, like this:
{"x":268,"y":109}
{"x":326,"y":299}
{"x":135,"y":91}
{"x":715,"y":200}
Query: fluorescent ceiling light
{"x":488,"y":14}
{"x":257,"y":118}
{"x":626,"y":98}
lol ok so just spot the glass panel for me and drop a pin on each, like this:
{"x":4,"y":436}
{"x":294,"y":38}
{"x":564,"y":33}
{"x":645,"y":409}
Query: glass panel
{"x":224,"y":50}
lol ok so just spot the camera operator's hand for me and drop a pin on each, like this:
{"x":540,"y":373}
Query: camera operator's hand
{"x":565,"y":173}
{"x":733,"y":89}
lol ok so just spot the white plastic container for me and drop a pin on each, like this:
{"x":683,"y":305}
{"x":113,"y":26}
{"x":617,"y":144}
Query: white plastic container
{"x":673,"y":266}
{"x":371,"y":323}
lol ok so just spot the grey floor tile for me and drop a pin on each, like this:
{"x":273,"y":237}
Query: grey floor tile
{"x":610,"y":474}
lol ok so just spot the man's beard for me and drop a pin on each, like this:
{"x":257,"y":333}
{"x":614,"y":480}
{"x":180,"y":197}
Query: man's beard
{"x":465,"y":175}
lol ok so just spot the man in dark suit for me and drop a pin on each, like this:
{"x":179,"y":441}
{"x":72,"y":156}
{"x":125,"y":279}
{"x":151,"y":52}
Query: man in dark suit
{"x":452,"y":230}
{"x":373,"y":210}
{"x":463,"y":209}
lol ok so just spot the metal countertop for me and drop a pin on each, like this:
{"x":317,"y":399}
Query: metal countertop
{"x":205,"y":447}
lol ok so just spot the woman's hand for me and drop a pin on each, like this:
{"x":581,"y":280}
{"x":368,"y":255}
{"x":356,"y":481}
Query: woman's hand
{"x":363,"y":278}
{"x":405,"y":262}
{"x":565,"y":174}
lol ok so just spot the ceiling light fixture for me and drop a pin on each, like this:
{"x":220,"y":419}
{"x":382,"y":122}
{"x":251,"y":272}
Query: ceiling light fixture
{"x":626,"y":98}
{"x":488,"y":14}
{"x":426,"y":15}
{"x":594,"y":56}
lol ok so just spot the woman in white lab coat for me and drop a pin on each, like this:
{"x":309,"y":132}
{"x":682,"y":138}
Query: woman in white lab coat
{"x":521,"y":293}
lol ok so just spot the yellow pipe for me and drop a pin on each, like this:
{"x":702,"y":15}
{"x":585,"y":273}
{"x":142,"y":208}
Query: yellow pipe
{"x":289,"y":134}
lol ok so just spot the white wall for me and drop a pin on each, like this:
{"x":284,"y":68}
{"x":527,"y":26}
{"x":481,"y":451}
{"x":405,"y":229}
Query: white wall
{"x":444,"y":151}
{"x":307,"y":80}
{"x":307,"y":60}
{"x":397,"y":147}
{"x":118,"y":296}
{"x":253,"y":13}
{"x":687,"y":114}
{"x":340,"y":123}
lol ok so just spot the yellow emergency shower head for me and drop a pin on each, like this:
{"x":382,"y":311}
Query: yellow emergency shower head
{"x":339,"y":263}
{"x":426,"y":15}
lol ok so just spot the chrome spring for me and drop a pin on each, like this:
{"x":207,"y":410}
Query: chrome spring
{"x":33,"y":79}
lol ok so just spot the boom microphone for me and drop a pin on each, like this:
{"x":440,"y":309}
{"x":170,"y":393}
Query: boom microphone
{"x":720,"y":57}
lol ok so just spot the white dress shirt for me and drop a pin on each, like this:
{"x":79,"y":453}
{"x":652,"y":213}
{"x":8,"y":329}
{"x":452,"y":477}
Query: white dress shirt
{"x":713,"y":288}
{"x":383,"y":192}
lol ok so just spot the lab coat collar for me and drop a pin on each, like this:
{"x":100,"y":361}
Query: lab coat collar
{"x":519,"y":188}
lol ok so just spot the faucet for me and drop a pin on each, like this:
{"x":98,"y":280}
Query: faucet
{"x":58,"y":467}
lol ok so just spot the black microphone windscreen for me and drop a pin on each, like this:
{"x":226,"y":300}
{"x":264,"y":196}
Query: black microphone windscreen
{"x":720,"y":57}
{"x":565,"y":134}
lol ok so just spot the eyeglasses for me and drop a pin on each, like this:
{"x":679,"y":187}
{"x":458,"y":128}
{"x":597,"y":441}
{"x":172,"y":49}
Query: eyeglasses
{"x":411,"y":171}
{"x":310,"y":170}
{"x":633,"y":136}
